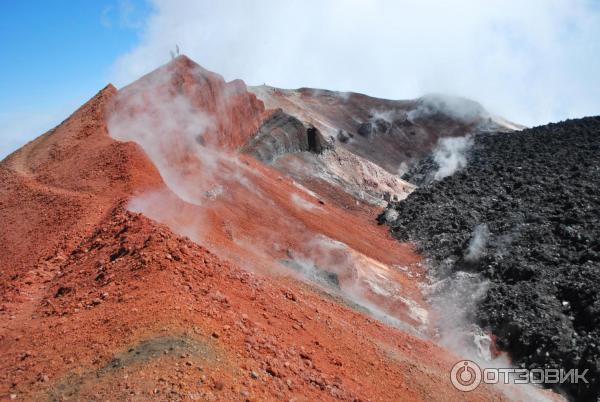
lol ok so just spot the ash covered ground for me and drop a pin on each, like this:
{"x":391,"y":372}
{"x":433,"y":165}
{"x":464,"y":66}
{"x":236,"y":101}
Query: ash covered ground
{"x":525,"y":214}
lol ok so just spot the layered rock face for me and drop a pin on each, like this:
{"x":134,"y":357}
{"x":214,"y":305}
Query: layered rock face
{"x":283,"y":134}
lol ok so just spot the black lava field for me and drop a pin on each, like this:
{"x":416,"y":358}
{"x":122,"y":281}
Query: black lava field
{"x":525,"y":214}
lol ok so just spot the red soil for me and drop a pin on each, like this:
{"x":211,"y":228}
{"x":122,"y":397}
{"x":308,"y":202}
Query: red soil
{"x":98,"y":303}
{"x":239,"y":112}
{"x":243,"y":210}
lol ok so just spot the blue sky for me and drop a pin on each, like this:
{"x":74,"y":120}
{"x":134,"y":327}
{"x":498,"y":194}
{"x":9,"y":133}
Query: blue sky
{"x":56,"y":55}
{"x":531,"y":61}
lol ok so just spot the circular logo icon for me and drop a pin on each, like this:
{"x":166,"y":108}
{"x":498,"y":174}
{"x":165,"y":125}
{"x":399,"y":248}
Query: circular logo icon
{"x":465,"y":375}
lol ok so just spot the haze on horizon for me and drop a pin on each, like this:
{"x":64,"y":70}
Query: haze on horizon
{"x":531,"y":62}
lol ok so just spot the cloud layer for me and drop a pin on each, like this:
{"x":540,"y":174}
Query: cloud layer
{"x":532,"y":62}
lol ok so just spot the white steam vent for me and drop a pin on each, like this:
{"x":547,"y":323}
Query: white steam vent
{"x":464,"y":110}
{"x":451,"y":155}
{"x":478,"y":242}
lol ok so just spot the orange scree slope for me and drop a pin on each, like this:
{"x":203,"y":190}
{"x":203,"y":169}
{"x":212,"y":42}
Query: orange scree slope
{"x":235,"y":285}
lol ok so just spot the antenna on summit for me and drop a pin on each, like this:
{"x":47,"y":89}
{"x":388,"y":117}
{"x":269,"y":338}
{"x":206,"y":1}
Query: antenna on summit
{"x":174,"y":53}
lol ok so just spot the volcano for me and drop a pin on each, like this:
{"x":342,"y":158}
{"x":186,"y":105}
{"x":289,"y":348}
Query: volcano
{"x":188,"y":238}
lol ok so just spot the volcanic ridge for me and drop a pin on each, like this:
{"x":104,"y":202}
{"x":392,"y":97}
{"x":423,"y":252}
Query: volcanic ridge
{"x":189,"y":238}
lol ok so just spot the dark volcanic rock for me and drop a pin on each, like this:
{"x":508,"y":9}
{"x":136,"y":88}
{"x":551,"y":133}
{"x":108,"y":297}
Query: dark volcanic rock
{"x":422,"y":172}
{"x":525,"y":214}
{"x":281,"y":134}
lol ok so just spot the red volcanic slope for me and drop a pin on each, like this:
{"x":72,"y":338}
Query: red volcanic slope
{"x":239,"y":112}
{"x":98,"y":303}
{"x":245,"y":211}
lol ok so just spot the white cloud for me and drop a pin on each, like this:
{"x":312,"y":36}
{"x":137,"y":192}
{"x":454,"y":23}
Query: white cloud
{"x":533,"y":61}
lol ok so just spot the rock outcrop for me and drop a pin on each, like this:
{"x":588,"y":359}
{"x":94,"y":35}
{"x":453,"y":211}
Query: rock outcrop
{"x":282,"y":134}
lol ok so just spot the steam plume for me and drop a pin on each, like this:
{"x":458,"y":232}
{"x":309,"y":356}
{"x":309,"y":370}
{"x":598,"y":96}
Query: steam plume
{"x":478,"y":242}
{"x":450,"y":155}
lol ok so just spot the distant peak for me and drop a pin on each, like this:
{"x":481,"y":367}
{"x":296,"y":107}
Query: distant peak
{"x":105,"y":93}
{"x":182,"y":58}
{"x":183,"y":62}
{"x":184,"y":65}
{"x":109,"y":88}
